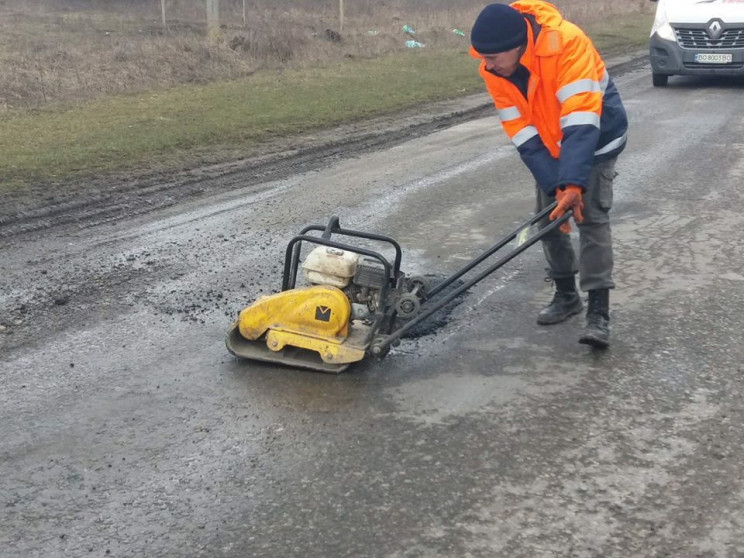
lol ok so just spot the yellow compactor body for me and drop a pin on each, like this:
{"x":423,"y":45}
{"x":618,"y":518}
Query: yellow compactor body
{"x":308,"y":327}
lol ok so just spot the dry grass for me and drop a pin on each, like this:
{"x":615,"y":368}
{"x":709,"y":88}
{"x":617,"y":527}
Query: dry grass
{"x":92,"y":86}
{"x":66,"y":51}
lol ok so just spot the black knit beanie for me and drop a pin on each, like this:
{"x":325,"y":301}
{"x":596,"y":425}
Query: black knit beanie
{"x":498,"y":28}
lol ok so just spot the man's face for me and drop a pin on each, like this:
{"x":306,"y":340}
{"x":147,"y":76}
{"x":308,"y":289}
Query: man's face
{"x":504,"y":63}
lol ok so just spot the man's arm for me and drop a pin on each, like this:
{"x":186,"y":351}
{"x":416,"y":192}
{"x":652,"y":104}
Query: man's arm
{"x":580,"y":92}
{"x":531,"y":148}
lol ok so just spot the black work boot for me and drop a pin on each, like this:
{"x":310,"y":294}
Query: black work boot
{"x":597,"y":330}
{"x":565,"y":304}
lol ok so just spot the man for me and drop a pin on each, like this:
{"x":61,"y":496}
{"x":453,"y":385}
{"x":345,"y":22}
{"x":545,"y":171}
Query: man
{"x":562,"y":111}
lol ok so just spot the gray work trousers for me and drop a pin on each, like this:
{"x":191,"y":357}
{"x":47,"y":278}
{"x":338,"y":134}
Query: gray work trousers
{"x":595,"y":238}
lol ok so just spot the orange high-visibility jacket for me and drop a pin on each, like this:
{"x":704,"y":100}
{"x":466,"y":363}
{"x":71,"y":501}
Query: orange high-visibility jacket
{"x":570,"y":115}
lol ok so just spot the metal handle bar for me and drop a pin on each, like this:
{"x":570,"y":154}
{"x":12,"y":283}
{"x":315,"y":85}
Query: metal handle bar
{"x":482,"y":275}
{"x":488,"y":253}
{"x":334,"y":227}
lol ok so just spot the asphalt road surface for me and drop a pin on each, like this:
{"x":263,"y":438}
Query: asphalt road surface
{"x":128,"y":430}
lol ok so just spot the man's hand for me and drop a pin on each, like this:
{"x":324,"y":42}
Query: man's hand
{"x":568,"y":198}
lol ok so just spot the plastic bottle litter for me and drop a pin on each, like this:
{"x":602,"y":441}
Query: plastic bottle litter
{"x":458,"y":32}
{"x":414,"y":44}
{"x":372,"y":32}
{"x":408,"y":29}
{"x":524,"y":234}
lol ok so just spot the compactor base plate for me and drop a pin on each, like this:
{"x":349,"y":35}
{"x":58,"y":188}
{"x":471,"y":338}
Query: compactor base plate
{"x":289,"y":356}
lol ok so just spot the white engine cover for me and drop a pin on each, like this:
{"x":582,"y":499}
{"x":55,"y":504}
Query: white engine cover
{"x":330,"y":266}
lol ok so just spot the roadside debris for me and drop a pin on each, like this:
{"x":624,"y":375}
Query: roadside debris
{"x":414,"y":44}
{"x":331,"y":35}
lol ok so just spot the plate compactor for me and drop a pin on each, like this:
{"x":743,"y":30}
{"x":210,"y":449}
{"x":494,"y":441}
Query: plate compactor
{"x":357,"y":302}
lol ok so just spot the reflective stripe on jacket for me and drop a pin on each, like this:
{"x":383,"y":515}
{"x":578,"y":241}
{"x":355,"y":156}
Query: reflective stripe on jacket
{"x":572,"y":115}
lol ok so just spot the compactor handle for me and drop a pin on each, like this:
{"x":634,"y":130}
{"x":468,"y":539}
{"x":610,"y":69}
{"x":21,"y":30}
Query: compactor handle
{"x":333,"y":225}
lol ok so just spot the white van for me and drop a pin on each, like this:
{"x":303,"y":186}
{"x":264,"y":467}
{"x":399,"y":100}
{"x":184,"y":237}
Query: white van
{"x":697,"y":37}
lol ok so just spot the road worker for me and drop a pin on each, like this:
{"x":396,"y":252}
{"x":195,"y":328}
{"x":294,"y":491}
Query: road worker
{"x":562,"y":111}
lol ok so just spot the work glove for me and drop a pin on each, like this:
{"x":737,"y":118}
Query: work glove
{"x":568,"y":198}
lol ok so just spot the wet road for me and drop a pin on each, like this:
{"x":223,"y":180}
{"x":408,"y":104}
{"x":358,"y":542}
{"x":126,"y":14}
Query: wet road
{"x":128,"y":430}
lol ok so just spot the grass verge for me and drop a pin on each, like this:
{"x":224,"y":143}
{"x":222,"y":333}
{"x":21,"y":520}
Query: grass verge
{"x":191,"y":125}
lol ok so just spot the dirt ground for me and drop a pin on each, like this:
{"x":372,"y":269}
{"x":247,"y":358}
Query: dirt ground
{"x":113,"y":197}
{"x":129,"y":430}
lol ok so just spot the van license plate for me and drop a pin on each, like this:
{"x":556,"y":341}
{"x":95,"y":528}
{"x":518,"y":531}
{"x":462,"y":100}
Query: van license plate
{"x":711,"y":58}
